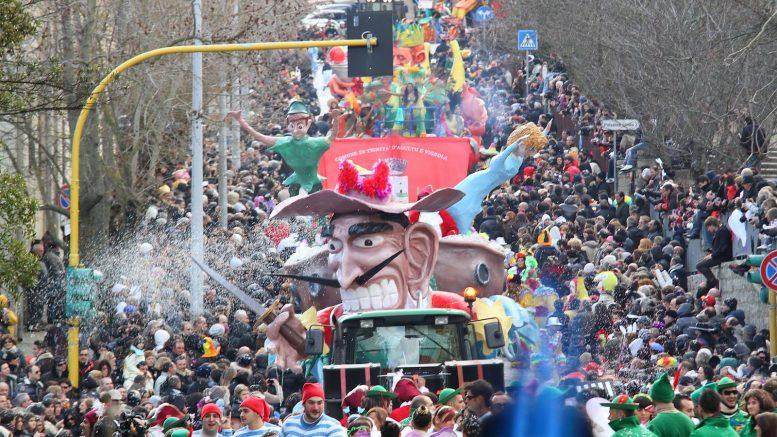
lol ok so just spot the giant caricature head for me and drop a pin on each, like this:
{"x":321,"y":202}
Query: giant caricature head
{"x":380,"y":260}
{"x":299,"y":120}
{"x":409,"y":55}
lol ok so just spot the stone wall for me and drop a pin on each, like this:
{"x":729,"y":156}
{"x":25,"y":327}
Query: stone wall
{"x":732,"y":285}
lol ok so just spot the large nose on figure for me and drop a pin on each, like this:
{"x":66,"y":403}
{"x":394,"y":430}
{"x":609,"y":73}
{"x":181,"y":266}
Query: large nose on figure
{"x":348,"y":269}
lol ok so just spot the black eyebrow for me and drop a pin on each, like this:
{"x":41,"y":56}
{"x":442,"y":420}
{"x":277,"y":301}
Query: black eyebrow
{"x":327,"y":231}
{"x":368,"y":228}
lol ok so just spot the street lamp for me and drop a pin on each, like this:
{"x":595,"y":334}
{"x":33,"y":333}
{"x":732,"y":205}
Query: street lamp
{"x":470,"y":296}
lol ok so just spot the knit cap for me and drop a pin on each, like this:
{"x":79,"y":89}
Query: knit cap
{"x":661,"y":390}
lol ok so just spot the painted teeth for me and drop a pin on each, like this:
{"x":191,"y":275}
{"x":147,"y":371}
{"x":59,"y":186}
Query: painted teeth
{"x":382,"y":295}
{"x":376,"y":295}
{"x":364,"y":298}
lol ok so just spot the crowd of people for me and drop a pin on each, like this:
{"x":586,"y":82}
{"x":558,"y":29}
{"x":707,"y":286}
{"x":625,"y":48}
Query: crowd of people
{"x":604,"y":272}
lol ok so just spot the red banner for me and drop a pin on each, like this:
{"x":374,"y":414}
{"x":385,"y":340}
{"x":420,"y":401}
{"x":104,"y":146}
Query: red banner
{"x":415,"y":162}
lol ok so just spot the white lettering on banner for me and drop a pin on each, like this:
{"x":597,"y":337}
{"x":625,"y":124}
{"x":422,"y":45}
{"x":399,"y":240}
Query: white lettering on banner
{"x":437,"y":155}
{"x":398,"y":148}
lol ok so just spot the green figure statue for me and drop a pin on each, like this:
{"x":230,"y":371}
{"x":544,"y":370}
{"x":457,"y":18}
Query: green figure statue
{"x":300,"y":151}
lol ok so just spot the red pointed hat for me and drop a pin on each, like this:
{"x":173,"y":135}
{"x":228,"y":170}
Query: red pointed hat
{"x":362,"y":194}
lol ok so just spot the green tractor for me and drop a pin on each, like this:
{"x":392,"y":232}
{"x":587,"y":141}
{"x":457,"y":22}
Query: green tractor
{"x":377,"y":346}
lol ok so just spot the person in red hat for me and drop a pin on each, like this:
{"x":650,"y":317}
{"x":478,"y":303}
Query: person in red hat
{"x":352,"y":403}
{"x":312,"y":422}
{"x":254,"y":414}
{"x":212,"y":420}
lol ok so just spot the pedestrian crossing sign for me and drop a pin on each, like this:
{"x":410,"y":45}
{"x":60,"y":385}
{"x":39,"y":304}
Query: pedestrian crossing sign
{"x":527,"y":40}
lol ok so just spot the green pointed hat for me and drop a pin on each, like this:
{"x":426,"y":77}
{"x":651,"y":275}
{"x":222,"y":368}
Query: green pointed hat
{"x":697,"y":393}
{"x":661,"y":390}
{"x":378,"y":391}
{"x":725,"y":383}
{"x":297,"y":107}
{"x":621,"y":402}
{"x":446,"y":395}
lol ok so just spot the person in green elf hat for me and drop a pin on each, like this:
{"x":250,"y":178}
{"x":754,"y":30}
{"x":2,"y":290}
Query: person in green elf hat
{"x":669,"y":422}
{"x":298,"y":150}
{"x":697,"y":393}
{"x":623,"y":420}
{"x":713,"y":423}
{"x":729,"y":408}
{"x":452,"y":398}
{"x":378,"y":396}
{"x":171,"y":425}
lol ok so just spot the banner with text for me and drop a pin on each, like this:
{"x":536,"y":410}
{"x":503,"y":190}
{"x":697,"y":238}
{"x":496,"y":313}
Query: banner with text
{"x":415,"y":162}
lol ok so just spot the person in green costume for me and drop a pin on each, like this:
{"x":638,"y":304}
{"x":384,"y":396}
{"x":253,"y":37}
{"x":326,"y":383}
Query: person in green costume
{"x":729,"y":408}
{"x":299,"y":151}
{"x":669,"y":422}
{"x":623,"y":420}
{"x":713,"y":423}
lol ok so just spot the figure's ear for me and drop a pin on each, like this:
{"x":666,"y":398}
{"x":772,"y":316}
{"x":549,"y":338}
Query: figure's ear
{"x":421,"y":246}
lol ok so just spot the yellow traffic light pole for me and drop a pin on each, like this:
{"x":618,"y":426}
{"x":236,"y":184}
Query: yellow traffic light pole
{"x":74,"y":259}
{"x":773,"y":325}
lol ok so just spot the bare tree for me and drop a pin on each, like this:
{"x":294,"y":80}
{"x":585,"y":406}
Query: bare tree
{"x":688,"y":69}
{"x":139,"y":129}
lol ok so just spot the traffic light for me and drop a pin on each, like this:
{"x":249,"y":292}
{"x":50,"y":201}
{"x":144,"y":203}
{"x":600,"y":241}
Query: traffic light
{"x":754,"y":275}
{"x":755,"y":260}
{"x":79,"y":291}
{"x":377,"y":60}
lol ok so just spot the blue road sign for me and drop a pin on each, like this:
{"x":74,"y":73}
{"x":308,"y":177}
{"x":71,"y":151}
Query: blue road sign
{"x":527,"y":40}
{"x":63,"y":199}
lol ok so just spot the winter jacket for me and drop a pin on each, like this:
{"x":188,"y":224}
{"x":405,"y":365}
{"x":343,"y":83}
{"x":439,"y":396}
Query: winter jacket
{"x":717,"y":426}
{"x":721,"y":245}
{"x":490,"y":226}
{"x":629,"y":427}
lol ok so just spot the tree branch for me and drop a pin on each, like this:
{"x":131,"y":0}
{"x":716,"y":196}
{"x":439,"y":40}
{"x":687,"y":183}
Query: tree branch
{"x":56,"y":209}
{"x":90,"y":202}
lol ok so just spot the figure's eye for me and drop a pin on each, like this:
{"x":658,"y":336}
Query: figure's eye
{"x":334,"y":246}
{"x":367,"y":241}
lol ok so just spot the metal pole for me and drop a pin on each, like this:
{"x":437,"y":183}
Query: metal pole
{"x":614,"y":162}
{"x":528,"y":73}
{"x":223,"y":150}
{"x":197,"y":215}
{"x":72,"y":351}
{"x":75,"y":163}
{"x":773,"y":325}
{"x":237,"y":146}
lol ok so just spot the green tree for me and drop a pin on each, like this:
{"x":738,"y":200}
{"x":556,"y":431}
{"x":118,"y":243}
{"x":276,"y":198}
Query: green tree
{"x":15,"y":25}
{"x":18,"y":267}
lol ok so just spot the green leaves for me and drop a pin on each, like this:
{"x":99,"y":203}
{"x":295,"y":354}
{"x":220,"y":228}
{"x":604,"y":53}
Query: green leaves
{"x":18,"y":267}
{"x":17,"y":208}
{"x":15,"y":25}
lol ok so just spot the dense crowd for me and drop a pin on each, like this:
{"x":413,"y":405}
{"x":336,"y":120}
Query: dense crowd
{"x":604,"y":272}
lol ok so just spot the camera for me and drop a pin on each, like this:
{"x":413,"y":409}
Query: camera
{"x":133,"y":423}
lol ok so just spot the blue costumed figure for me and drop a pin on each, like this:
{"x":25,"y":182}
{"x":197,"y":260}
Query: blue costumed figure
{"x":476,"y":186}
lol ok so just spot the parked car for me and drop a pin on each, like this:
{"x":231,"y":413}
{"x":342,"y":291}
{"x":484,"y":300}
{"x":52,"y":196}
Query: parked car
{"x":332,"y":19}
